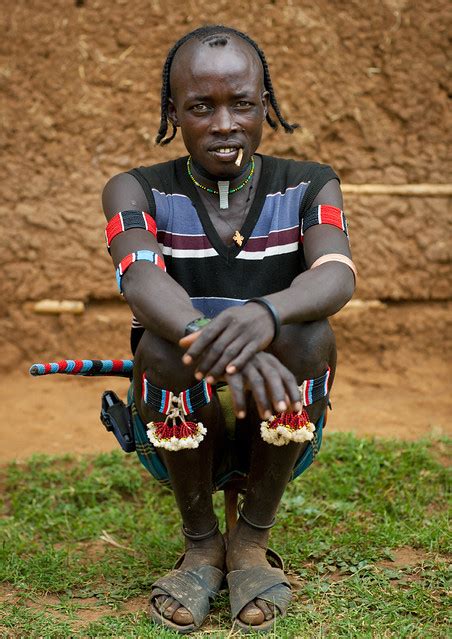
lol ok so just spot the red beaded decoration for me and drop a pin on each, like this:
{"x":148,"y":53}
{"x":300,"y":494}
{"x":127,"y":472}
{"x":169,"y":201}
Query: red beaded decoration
{"x":126,"y":220}
{"x":285,"y":427}
{"x":182,"y":430}
{"x":324,"y":214}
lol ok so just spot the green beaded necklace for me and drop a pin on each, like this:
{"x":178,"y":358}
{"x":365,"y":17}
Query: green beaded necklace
{"x":214,"y":191}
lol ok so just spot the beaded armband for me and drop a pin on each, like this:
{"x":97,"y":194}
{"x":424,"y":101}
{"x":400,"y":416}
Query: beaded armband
{"x":126,"y":220}
{"x":148,"y":256}
{"x":336,"y":257}
{"x":324,"y":214}
{"x":296,"y":427}
{"x":175,"y":432}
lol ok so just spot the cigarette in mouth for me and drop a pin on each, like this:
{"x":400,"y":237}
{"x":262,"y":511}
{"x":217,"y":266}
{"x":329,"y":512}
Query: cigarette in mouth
{"x":238,"y":161}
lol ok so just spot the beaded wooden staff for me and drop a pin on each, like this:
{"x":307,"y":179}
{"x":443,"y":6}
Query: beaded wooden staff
{"x":85,"y":367}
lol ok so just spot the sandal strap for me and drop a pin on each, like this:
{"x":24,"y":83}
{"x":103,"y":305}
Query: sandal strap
{"x":192,"y":589}
{"x":260,"y":582}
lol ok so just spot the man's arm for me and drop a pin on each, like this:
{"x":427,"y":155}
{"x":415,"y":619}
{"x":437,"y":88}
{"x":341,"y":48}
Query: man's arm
{"x":163,"y":307}
{"x":321,"y":292}
{"x":238,"y":333}
{"x":158,"y":302}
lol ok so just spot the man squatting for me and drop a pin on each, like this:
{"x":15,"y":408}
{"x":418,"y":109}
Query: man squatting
{"x":258,"y":245}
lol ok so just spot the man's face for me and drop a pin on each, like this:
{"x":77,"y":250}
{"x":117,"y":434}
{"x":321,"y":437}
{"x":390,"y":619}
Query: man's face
{"x":219,"y":102}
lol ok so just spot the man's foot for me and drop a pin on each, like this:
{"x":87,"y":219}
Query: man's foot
{"x":247,"y":548}
{"x":210,"y":552}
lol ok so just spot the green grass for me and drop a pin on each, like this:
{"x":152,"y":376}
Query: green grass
{"x":339,"y":527}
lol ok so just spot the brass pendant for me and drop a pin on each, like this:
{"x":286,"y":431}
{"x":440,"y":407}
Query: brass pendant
{"x":237,"y":238}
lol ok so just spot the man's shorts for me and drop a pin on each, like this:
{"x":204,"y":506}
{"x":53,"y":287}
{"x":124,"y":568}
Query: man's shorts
{"x":233,"y":464}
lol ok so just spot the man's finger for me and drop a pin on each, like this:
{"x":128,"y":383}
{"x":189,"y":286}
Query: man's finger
{"x":207,"y":335}
{"x":242,"y":359}
{"x":216,"y":366}
{"x":218,"y":354}
{"x":292,"y":389}
{"x":255,"y":383}
{"x":188,"y":340}
{"x":275,"y":386}
{"x":237,"y":389}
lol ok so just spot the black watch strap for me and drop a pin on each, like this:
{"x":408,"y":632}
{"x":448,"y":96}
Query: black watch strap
{"x":196,"y":325}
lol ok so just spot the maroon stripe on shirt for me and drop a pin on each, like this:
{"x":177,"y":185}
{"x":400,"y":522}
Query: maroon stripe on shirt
{"x":183,"y":241}
{"x":275,"y":238}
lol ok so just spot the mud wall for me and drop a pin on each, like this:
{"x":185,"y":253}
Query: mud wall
{"x":80,"y":86}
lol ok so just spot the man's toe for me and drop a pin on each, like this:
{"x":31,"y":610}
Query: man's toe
{"x":171,"y":609}
{"x":182,"y":617}
{"x":252,"y":615}
{"x":267,"y":609}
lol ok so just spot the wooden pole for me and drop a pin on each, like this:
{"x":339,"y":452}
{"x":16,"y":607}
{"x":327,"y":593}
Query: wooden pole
{"x":416,"y":190}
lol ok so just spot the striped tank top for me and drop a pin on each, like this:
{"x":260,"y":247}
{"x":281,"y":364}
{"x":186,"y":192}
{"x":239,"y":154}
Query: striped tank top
{"x":215,"y":275}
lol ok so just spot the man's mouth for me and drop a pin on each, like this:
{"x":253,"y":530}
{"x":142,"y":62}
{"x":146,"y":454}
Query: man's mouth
{"x":226,"y":153}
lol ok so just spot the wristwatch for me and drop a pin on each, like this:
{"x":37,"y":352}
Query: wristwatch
{"x":196,"y":325}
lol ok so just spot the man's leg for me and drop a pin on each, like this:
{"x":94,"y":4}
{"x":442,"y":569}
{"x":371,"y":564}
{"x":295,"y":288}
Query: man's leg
{"x":191,"y":471}
{"x":307,"y":350}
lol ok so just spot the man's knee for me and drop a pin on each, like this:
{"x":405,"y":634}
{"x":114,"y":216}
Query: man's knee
{"x":306,"y":349}
{"x":162,"y":362}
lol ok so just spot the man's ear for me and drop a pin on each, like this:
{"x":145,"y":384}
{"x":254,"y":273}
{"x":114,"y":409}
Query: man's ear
{"x":172,"y":113}
{"x":265,"y":102}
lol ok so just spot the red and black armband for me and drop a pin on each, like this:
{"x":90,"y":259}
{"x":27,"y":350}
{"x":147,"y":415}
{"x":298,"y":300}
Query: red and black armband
{"x":126,"y":220}
{"x":324,"y":214}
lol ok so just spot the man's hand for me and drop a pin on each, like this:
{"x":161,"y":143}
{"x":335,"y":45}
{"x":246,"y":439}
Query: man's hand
{"x":229,"y":341}
{"x":272,"y":385}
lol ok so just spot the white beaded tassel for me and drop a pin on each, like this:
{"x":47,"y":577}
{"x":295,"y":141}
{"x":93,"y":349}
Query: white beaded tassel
{"x":223,"y":190}
{"x":181,"y":434}
{"x":287,"y":427}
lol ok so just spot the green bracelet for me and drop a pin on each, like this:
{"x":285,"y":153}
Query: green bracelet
{"x":196,"y":325}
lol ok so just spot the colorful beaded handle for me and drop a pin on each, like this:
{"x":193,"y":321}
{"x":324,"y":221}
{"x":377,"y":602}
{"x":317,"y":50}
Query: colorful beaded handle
{"x":86,"y":367}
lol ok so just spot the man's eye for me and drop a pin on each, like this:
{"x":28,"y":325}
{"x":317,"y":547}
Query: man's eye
{"x":243,"y":104}
{"x":200,"y":108}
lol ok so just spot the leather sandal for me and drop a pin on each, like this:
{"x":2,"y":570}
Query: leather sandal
{"x":260,"y":582}
{"x":194,"y":589}
{"x":268,"y":583}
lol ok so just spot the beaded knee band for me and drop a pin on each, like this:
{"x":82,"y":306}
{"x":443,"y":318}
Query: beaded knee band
{"x":175,"y":432}
{"x":314,"y":389}
{"x":126,"y":220}
{"x":296,"y":427}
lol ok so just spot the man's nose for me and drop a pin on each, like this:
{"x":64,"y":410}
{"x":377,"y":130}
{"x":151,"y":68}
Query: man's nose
{"x":224,"y":121}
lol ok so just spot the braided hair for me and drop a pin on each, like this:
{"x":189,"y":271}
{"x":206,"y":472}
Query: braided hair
{"x":215,"y":35}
